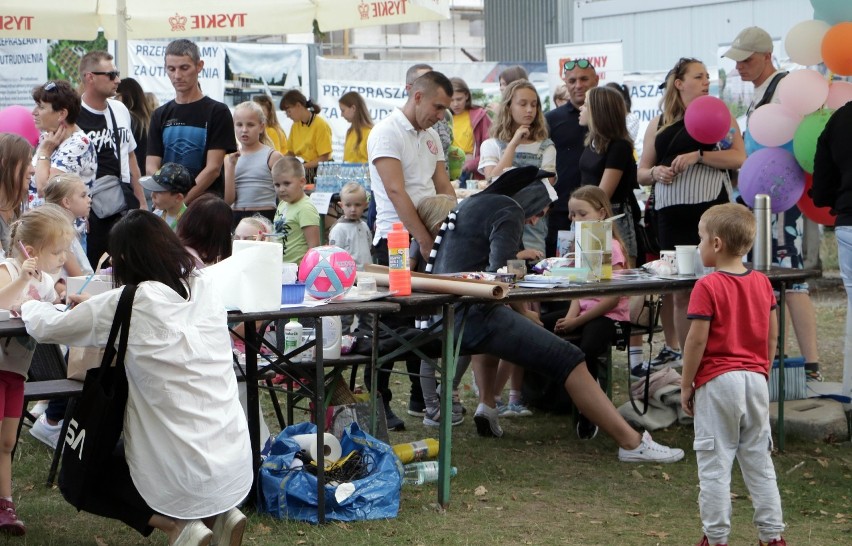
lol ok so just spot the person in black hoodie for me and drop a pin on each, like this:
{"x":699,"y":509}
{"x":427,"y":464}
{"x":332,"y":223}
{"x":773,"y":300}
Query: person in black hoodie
{"x":832,"y":187}
{"x":481,"y":235}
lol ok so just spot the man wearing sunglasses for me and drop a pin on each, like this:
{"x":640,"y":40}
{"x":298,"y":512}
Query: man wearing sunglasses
{"x":567,"y":135}
{"x":107,"y":123}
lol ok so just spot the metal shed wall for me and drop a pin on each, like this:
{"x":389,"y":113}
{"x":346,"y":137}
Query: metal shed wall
{"x":655,"y":33}
{"x":517,"y":30}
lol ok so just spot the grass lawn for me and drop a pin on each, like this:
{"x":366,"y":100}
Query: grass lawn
{"x":537,"y":485}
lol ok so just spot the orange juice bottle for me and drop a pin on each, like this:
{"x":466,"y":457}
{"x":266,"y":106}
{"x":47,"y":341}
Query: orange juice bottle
{"x":399,"y":274}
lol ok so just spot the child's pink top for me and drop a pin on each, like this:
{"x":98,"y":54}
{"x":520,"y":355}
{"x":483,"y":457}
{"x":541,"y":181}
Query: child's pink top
{"x":622,"y":310}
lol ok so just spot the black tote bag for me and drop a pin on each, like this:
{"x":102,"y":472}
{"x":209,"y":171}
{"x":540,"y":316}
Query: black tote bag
{"x":98,"y":418}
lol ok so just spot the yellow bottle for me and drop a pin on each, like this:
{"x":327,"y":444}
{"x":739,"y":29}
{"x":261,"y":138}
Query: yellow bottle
{"x":417,"y":451}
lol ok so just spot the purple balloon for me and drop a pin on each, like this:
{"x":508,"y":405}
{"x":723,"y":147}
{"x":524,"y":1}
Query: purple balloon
{"x":19,"y":120}
{"x":775,"y":172}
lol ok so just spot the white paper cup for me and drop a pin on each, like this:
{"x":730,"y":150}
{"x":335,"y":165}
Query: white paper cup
{"x":670,"y":257}
{"x":366,"y":285}
{"x":685,"y":259}
{"x":593,"y":260}
{"x":288,"y":273}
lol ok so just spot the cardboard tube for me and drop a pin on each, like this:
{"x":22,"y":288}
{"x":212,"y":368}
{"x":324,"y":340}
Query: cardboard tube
{"x":441,"y":284}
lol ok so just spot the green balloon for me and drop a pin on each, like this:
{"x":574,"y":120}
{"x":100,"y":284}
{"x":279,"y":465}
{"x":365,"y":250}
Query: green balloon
{"x":805,"y":140}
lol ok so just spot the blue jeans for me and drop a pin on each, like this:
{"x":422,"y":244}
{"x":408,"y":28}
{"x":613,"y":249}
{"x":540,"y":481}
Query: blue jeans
{"x":497,"y":330}
{"x":843,"y":234}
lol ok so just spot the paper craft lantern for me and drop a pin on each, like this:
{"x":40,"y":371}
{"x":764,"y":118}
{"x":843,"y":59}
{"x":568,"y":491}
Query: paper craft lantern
{"x":327,"y":271}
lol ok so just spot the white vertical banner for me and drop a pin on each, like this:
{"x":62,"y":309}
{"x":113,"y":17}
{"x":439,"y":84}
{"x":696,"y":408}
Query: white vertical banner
{"x":23,"y":65}
{"x":147,"y":64}
{"x":606,"y":57}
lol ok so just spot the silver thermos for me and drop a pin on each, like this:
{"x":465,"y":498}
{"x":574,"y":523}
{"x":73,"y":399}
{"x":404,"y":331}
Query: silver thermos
{"x":763,"y":241}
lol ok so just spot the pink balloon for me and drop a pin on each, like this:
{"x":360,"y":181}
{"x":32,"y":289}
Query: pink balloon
{"x":839,"y":93}
{"x":803,"y":91}
{"x":707,"y":119}
{"x":773,"y":124}
{"x":19,"y":120}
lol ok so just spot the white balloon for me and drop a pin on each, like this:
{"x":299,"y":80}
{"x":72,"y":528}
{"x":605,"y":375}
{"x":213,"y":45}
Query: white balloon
{"x":803,"y":91}
{"x":803,"y":42}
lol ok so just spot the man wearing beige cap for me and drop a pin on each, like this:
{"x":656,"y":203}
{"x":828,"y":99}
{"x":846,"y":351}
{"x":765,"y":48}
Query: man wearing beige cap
{"x":752,"y":50}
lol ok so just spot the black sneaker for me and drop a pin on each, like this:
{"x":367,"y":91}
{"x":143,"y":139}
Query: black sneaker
{"x":586,"y":430}
{"x":417,"y":408}
{"x":394,"y":422}
{"x":667,"y":357}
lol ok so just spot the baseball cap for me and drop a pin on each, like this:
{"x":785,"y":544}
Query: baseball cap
{"x":750,"y":40}
{"x":170,"y":177}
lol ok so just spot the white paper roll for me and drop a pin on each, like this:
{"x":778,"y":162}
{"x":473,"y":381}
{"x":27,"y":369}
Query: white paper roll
{"x":250,"y":280}
{"x":308,"y":442}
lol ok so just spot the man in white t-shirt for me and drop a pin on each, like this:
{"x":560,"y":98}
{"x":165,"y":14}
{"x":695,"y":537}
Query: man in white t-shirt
{"x":752,"y":50}
{"x":407,"y":161}
{"x":107,"y":121}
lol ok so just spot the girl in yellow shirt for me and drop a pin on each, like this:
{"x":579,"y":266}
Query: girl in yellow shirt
{"x":310,"y":136}
{"x":354,"y":110}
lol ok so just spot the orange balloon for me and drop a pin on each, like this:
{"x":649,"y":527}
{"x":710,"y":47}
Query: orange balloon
{"x":837,"y":49}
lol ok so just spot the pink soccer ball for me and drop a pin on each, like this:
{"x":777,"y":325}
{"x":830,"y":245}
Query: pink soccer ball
{"x":327,"y":271}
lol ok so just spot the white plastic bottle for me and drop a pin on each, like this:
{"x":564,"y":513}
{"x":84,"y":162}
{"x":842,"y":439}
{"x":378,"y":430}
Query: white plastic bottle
{"x":292,"y":335}
{"x":331,"y":335}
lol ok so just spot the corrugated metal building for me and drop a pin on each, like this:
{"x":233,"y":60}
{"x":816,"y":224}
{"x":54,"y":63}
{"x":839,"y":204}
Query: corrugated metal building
{"x":655,"y":33}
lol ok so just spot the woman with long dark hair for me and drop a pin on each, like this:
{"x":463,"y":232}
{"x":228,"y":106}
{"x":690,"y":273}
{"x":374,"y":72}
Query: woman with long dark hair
{"x":131,"y":94}
{"x":185,"y":461}
{"x":354,"y":110}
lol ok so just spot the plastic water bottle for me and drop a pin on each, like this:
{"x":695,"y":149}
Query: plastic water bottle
{"x":292,"y":335}
{"x":399,"y":274}
{"x":417,"y":451}
{"x":423,"y":472}
{"x":331,"y":337}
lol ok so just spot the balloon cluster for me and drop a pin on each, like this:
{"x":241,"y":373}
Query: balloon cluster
{"x":782,"y":138}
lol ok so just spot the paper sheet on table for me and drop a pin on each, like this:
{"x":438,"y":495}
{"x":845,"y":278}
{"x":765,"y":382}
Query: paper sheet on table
{"x":250,"y":280}
{"x":442,"y":285}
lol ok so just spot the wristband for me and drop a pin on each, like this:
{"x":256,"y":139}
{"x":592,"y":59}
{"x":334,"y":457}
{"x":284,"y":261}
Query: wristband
{"x":43,"y":158}
{"x":700,"y":156}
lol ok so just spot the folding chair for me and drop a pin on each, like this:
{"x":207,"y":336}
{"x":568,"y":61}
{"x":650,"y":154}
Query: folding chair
{"x":48,"y":380}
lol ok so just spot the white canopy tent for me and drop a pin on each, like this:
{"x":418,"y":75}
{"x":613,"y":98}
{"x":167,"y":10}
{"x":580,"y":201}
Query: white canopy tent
{"x":141,"y":19}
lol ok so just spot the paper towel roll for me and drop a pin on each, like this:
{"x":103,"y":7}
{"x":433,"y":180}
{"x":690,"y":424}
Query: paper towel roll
{"x":250,"y":280}
{"x":308,"y":442}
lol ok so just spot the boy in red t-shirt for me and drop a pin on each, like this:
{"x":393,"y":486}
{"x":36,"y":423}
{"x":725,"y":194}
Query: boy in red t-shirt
{"x":730,"y":345}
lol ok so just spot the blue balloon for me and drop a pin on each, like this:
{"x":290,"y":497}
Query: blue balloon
{"x":751,"y":145}
{"x":832,"y":11}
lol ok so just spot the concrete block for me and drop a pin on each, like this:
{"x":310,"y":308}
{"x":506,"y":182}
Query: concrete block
{"x":812,"y":419}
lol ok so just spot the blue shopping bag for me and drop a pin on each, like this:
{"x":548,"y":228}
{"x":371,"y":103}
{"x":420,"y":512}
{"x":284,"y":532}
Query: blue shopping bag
{"x":292,"y":493}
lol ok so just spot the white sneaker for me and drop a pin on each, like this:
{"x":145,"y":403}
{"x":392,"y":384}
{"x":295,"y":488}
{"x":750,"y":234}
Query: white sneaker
{"x":39,"y":408}
{"x":650,"y":451}
{"x":486,"y":422}
{"x":228,"y":528}
{"x":45,"y":432}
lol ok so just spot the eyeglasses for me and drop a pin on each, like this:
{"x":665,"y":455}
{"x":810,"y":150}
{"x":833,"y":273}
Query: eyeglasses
{"x":579,"y":63}
{"x":49,"y":86}
{"x":112,"y":74}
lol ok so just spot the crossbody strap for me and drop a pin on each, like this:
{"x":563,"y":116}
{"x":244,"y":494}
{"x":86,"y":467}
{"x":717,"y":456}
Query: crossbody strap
{"x":120,"y":324}
{"x":115,"y":140}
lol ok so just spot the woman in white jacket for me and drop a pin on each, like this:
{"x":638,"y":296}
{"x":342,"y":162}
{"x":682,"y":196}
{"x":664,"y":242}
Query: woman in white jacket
{"x":187,"y":457}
